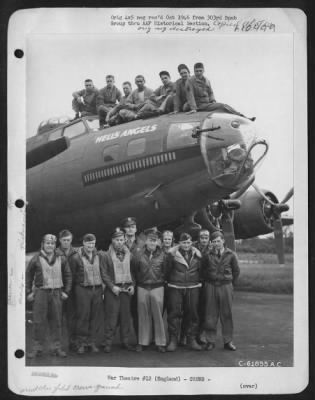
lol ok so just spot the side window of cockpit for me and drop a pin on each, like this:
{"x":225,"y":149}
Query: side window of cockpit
{"x":111,"y":153}
{"x":136,"y":147}
{"x":74,"y":130}
{"x":55,"y":135}
{"x":180,"y":135}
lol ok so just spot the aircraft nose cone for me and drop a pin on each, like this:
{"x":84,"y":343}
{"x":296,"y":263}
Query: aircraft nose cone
{"x":225,"y":151}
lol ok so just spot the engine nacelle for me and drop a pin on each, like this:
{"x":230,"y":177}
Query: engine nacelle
{"x":252,"y":219}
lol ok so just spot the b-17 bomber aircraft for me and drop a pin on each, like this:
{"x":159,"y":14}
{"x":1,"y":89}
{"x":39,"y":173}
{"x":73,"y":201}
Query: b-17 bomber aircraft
{"x":179,"y":170}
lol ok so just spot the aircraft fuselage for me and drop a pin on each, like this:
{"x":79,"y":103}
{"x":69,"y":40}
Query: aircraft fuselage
{"x":151,"y":169}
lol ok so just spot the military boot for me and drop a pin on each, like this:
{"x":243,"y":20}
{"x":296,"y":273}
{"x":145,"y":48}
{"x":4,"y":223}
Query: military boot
{"x":35,"y":353}
{"x":193,"y":345}
{"x":94,"y":348}
{"x":172,"y":346}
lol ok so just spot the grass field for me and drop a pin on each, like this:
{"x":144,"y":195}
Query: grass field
{"x":267,"y":278}
{"x":262,"y":273}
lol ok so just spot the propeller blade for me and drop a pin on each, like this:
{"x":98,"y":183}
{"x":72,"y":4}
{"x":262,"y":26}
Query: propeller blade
{"x":279,"y":241}
{"x":288,"y":196}
{"x":259,"y":191}
{"x":228,"y":230}
{"x":242,"y":190}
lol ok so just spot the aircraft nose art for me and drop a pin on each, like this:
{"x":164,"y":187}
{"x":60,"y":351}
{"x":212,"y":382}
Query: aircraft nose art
{"x":229,"y":148}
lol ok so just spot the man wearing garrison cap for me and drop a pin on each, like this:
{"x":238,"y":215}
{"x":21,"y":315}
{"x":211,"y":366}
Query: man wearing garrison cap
{"x":50,"y":274}
{"x":182,"y":275}
{"x":89,"y":283}
{"x":149,"y":268}
{"x":220,"y":270}
{"x":116,"y":266}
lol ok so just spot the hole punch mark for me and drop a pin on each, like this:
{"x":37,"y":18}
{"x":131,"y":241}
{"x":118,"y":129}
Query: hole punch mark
{"x":19,"y":203}
{"x":19,"y":53}
{"x":19,"y":353}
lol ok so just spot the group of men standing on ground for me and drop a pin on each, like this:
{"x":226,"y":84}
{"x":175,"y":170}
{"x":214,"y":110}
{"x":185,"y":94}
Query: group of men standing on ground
{"x":132,"y":281}
{"x":188,"y":94}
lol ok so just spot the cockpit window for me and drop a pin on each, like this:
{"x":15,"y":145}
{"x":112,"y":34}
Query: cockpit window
{"x":180,"y":135}
{"x":93,"y":124}
{"x":74,"y":130}
{"x":55,"y":135}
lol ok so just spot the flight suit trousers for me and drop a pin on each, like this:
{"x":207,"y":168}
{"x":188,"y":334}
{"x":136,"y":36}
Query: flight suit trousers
{"x":47,"y":308}
{"x":150,"y":307}
{"x":117,"y":311}
{"x":183,"y":303}
{"x":89,"y":313}
{"x":134,"y":312}
{"x":69,"y":307}
{"x":167,"y":105}
{"x":220,"y":107}
{"x":102,"y":111}
{"x":82,"y":108}
{"x":218,"y":304}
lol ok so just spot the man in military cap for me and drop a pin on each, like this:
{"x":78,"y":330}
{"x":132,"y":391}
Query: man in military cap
{"x":117,"y":270}
{"x":203,"y":243}
{"x":149,"y":269}
{"x":129,"y":225}
{"x":65,"y":249}
{"x":183,"y":265}
{"x":51,"y":276}
{"x":89,"y":282}
{"x":220,"y":270}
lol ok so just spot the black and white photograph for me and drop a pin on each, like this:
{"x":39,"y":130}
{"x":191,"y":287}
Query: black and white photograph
{"x":157,"y":201}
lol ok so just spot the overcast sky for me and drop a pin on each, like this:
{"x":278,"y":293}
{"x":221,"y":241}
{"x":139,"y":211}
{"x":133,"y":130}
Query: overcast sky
{"x":252,"y":73}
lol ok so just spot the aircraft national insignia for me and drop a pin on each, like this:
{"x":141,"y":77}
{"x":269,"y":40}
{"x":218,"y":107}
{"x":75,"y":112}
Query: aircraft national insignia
{"x":127,"y":132}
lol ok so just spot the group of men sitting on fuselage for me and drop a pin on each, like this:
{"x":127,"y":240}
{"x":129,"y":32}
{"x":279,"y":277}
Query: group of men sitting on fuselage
{"x":188,"y":94}
{"x":192,"y":281}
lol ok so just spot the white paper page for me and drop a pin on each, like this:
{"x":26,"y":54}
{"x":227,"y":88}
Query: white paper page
{"x":256,"y":62}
